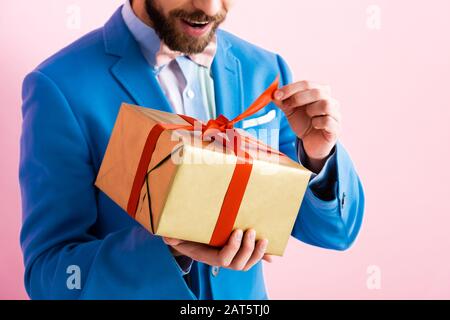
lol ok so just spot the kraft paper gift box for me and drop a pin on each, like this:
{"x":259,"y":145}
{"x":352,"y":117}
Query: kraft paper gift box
{"x":178,"y":183}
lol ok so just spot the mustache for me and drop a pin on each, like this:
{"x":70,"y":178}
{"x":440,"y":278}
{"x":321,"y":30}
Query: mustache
{"x":198,"y":15}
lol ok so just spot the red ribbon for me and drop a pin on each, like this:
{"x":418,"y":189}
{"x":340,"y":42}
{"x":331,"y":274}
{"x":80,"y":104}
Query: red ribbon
{"x":242,"y":171}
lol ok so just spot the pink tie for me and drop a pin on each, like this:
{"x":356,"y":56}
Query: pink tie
{"x":205,"y":58}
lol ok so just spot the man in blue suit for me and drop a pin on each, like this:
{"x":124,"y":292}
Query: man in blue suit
{"x":168,"y":55}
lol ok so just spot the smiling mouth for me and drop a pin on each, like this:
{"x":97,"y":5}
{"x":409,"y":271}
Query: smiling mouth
{"x":196,"y":24}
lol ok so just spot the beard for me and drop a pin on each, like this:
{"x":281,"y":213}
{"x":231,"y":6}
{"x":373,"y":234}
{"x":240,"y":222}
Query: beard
{"x":169,"y":31}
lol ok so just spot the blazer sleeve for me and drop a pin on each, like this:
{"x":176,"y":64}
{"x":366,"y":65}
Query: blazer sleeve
{"x":59,"y":208}
{"x":333,"y":223}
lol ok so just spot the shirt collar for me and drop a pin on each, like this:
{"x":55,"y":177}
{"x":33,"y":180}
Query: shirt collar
{"x":145,"y":35}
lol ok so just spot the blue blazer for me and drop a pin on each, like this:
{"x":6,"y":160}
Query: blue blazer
{"x":70,"y":104}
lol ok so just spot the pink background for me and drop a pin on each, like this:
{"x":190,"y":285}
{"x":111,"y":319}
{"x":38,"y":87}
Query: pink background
{"x":393,"y":84}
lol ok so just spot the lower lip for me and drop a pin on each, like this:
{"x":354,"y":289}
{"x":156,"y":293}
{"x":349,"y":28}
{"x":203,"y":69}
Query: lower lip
{"x":195,"y":32}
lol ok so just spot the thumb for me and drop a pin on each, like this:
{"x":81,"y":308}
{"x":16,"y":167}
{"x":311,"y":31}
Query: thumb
{"x":172,"y":241}
{"x":279,"y":102}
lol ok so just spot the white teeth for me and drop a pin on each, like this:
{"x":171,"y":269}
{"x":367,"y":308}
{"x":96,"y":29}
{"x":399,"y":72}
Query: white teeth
{"x":197,"y":22}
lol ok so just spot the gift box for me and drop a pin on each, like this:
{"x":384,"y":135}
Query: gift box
{"x":188,"y":180}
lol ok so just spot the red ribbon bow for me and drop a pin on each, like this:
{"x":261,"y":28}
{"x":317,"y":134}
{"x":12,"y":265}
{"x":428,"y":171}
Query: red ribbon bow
{"x":236,"y":189}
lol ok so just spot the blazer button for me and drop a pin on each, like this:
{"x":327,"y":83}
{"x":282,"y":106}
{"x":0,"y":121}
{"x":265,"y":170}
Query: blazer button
{"x":343,"y":200}
{"x":215,"y":271}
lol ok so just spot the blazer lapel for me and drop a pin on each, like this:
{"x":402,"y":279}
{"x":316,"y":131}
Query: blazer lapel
{"x":131,"y":70}
{"x":226,"y":72}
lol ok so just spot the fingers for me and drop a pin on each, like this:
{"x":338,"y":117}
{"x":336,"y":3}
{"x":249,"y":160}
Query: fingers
{"x":229,"y":251}
{"x":172,"y":241}
{"x":290,"y":89}
{"x":311,"y":103}
{"x":240,"y":252}
{"x":198,"y":252}
{"x":250,"y":253}
{"x":268,"y":258}
{"x":329,"y":107}
{"x":302,"y":94}
{"x":245,"y":252}
{"x":208,"y":254}
{"x":327,"y":123}
{"x":304,"y":98}
{"x":257,"y":254}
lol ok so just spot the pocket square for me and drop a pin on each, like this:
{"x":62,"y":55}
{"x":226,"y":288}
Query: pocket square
{"x":269,"y":116}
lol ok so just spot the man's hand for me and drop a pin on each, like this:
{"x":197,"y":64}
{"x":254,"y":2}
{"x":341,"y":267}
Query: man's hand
{"x":240,"y":253}
{"x":314,"y":116}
